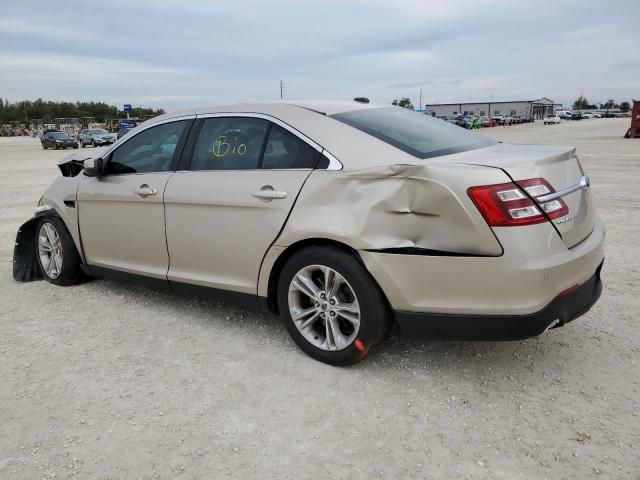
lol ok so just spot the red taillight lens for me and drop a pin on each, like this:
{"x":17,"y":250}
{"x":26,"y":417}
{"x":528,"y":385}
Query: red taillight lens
{"x":507,"y":204}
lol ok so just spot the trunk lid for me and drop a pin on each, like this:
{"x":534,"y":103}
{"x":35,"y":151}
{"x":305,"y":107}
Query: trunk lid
{"x":558,"y":165}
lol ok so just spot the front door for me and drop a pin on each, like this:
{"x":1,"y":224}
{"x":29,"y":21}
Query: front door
{"x":121,"y":213}
{"x":225,"y":211}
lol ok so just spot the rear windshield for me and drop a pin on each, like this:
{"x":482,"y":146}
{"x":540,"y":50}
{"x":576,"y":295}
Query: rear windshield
{"x":415,"y":133}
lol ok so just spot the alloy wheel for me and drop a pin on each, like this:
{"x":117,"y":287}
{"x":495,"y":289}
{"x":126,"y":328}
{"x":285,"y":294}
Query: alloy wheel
{"x":50,"y":250}
{"x":324,"y":307}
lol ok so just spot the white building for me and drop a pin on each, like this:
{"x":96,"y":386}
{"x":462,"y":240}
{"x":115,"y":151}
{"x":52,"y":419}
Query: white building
{"x":536,"y":108}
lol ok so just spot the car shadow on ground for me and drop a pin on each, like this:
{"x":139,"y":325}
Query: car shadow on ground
{"x":397,"y":351}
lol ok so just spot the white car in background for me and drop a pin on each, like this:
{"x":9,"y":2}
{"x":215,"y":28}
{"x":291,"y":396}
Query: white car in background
{"x":551,"y":119}
{"x":96,"y":137}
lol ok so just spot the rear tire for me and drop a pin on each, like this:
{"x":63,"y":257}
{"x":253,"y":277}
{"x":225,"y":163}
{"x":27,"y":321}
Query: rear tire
{"x":56,"y":253}
{"x":336,"y":323}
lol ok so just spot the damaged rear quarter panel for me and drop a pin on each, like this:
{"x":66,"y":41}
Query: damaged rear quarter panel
{"x":396,"y":206}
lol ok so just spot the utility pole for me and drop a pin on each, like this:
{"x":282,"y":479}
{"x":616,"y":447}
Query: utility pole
{"x":281,"y":88}
{"x":420,"y":98}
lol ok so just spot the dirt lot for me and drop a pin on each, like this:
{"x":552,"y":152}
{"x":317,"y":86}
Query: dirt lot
{"x":105,"y":381}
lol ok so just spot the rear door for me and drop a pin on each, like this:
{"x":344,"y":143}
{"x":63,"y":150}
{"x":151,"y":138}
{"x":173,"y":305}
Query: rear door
{"x":121,"y":214}
{"x":225,"y":209}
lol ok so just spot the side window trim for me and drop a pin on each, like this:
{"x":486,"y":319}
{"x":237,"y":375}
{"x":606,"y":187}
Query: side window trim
{"x":184,"y":164}
{"x":334,"y":163}
{"x":265,"y":142}
{"x":177,"y":154}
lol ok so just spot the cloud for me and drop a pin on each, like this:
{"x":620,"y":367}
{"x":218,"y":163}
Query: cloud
{"x":177,"y":54}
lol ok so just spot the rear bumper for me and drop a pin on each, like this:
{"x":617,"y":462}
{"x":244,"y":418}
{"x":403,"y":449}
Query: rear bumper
{"x":560,"y":311}
{"x":535,"y":267}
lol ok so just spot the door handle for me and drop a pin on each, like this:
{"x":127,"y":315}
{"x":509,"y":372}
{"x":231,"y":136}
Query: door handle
{"x":267,"y":193}
{"x":144,"y":190}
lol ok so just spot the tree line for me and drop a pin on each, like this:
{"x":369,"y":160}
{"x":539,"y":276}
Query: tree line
{"x":583,"y":104}
{"x":26,"y":111}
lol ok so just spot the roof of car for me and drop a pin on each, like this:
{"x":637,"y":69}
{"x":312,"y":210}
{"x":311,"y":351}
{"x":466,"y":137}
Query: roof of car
{"x":323,"y":107}
{"x":311,"y":118}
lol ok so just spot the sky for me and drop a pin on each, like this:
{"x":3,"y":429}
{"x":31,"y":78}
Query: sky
{"x":180,"y":54}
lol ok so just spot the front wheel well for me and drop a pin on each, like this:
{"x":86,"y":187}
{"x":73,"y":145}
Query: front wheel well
{"x":274,"y":275}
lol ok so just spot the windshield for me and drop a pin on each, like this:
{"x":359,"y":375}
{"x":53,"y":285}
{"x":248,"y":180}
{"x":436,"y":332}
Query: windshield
{"x":415,"y":133}
{"x":59,"y":135}
{"x":99,"y":131}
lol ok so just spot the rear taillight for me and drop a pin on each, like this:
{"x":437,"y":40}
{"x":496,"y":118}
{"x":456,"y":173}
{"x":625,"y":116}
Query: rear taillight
{"x":507,"y":204}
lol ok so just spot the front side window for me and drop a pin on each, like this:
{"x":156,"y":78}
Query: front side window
{"x":415,"y":133}
{"x":151,"y":150}
{"x":285,"y":150}
{"x":229,"y":143}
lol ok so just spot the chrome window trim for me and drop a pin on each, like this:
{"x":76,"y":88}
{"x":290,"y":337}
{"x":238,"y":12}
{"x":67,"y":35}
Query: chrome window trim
{"x":334,"y":163}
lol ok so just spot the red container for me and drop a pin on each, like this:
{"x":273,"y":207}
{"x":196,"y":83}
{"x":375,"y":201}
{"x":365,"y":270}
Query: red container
{"x":634,"y":130}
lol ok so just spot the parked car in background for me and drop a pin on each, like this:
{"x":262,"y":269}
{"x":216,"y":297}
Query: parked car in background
{"x":587,"y":115}
{"x":564,"y":114}
{"x":508,"y":120}
{"x":462,"y":121}
{"x":576,"y":116}
{"x":55,"y":139}
{"x":122,"y":132}
{"x":95,"y":137}
{"x":496,"y":241}
{"x":526,"y":119}
{"x":499,"y":119}
{"x":597,"y":115}
{"x":487,"y":122}
{"x":551,"y":119}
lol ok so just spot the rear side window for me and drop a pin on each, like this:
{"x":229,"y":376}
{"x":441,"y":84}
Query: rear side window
{"x":229,"y":143}
{"x":285,"y":150}
{"x":415,"y":133}
{"x":151,"y":150}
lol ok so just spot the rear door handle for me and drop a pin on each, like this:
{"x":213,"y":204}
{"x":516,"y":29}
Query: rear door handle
{"x":144,"y":190}
{"x":267,"y":193}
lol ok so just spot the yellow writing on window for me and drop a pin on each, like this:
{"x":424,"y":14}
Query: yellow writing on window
{"x":222,"y":147}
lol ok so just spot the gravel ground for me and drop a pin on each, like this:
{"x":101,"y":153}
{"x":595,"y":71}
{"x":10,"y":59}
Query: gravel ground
{"x":103,"y":380}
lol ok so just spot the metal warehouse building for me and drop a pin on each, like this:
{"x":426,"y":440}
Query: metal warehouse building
{"x":537,"y":108}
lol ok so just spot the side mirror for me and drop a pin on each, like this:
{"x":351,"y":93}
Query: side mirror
{"x":93,"y":167}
